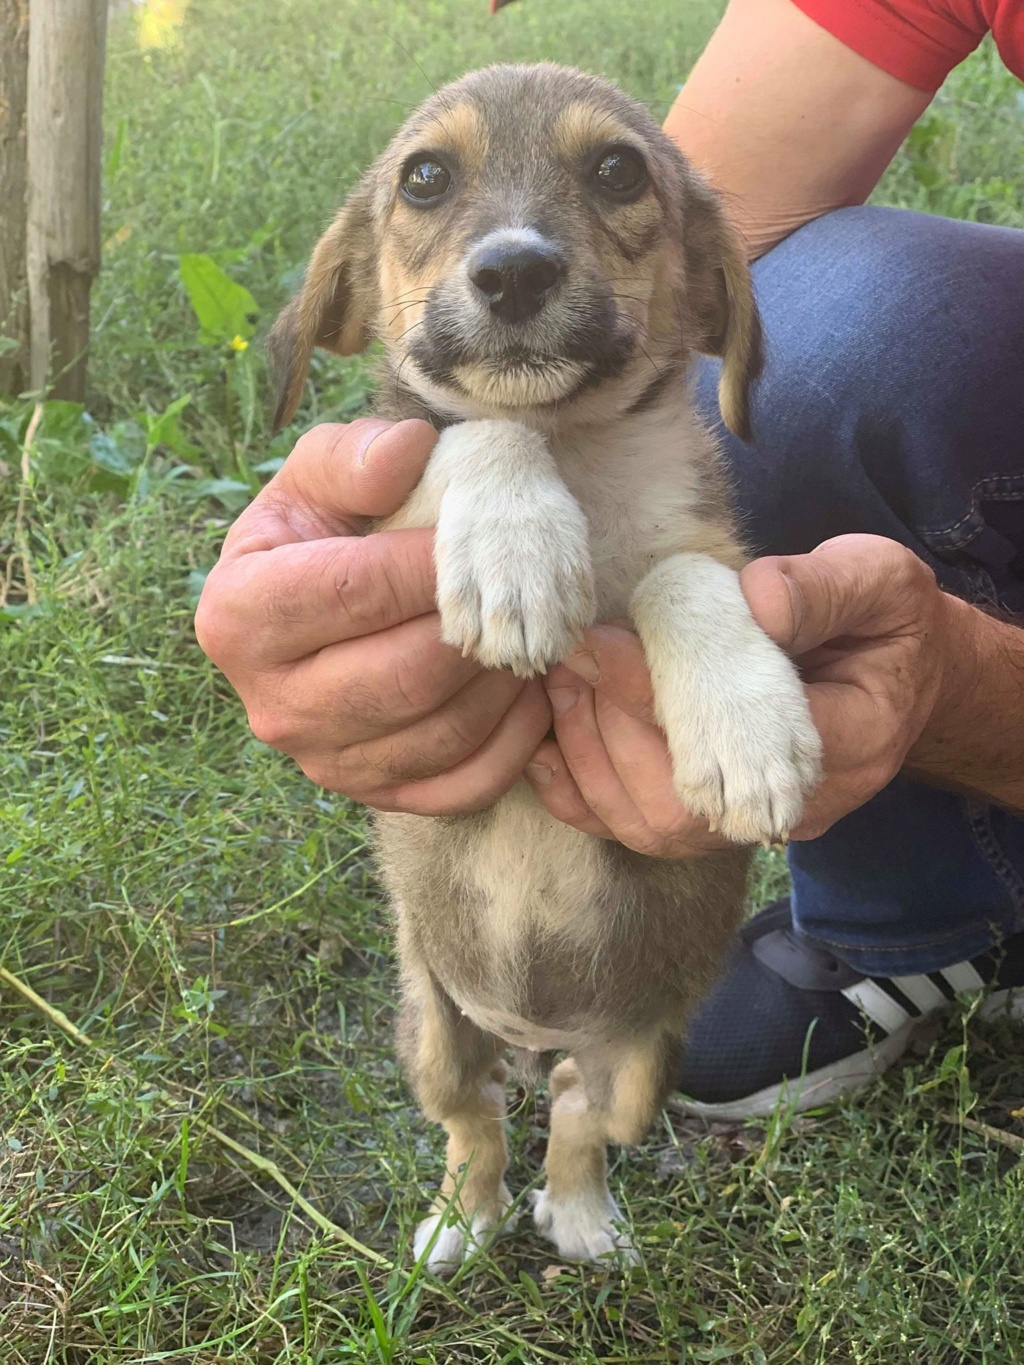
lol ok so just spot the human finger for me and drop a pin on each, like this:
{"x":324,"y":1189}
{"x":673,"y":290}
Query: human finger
{"x":588,"y":760}
{"x":612,"y":662}
{"x":437,"y":742}
{"x":555,"y":787}
{"x":337,"y":475}
{"x":486,"y":775}
{"x":350,"y":693}
{"x":852,"y":585}
{"x":276,"y":606}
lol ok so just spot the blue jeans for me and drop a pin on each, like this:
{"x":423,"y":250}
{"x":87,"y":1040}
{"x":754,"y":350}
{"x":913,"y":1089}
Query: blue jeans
{"x":893,"y":402}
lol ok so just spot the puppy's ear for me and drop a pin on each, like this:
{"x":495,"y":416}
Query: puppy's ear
{"x":334,"y":308}
{"x":721,"y":301}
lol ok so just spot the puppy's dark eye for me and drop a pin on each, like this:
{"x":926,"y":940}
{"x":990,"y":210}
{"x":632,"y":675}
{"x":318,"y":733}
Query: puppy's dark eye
{"x":620,"y":172}
{"x":424,"y":177}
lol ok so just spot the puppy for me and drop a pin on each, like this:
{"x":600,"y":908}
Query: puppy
{"x":541,"y":264}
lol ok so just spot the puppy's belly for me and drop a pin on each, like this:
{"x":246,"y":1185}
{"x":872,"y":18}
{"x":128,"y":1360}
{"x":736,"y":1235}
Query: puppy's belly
{"x":519,"y":1032}
{"x":532,"y":873}
{"x":549,"y":938}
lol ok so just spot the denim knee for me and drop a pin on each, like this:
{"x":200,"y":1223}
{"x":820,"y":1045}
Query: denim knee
{"x":892,"y":403}
{"x":891,"y":400}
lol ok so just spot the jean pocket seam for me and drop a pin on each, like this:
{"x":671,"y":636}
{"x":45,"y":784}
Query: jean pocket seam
{"x":991,"y":488}
{"x":979,"y":820}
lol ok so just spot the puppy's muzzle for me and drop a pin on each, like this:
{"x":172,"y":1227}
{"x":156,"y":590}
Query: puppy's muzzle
{"x":515,"y":277}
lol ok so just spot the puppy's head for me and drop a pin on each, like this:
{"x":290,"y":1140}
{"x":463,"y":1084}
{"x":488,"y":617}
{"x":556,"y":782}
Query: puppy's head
{"x":529,"y":242}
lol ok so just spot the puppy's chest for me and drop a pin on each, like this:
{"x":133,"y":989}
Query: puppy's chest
{"x":641,"y":492}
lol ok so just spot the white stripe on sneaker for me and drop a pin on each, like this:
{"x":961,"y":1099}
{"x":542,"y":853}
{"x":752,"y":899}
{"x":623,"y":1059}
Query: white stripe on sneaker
{"x":963,"y":977}
{"x":922,"y":992}
{"x":880,"y":1008}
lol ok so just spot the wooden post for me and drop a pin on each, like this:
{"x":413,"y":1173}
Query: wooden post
{"x":66,"y":48}
{"x":13,"y":193}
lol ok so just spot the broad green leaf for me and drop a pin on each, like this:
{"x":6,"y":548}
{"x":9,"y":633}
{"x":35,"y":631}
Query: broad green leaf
{"x":110,"y":455}
{"x":232,"y":494}
{"x":196,"y":582}
{"x":225,"y":310}
{"x":15,"y":612}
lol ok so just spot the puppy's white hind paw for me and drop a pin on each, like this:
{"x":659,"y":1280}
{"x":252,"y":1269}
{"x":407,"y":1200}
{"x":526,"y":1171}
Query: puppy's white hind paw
{"x":583,"y":1229}
{"x":458,"y":1240}
{"x":449,"y":1249}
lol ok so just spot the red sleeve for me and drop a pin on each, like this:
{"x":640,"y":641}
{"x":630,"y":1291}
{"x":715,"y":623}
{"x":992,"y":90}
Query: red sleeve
{"x":917,"y":41}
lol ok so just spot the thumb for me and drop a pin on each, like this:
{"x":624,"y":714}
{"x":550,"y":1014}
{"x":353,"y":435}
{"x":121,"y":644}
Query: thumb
{"x":849,"y":585}
{"x":366,"y":468}
{"x":336,"y":476}
{"x":612,"y":662}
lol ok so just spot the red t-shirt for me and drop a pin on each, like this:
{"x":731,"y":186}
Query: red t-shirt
{"x":920,"y":41}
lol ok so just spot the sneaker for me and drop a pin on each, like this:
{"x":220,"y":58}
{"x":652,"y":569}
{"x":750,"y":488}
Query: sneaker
{"x":790,"y":1019}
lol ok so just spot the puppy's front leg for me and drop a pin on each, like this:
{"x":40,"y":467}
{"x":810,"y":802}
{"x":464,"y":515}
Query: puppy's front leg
{"x":514,"y":580}
{"x":744,"y":749}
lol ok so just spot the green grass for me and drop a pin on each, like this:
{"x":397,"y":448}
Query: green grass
{"x":183,"y":898}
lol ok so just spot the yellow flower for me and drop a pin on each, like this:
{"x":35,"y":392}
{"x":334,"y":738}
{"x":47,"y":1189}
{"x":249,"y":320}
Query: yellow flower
{"x":160,"y":23}
{"x":239,"y":344}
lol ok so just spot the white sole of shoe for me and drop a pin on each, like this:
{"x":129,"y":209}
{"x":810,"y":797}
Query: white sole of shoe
{"x":1003,"y":1005}
{"x":845,"y":1077}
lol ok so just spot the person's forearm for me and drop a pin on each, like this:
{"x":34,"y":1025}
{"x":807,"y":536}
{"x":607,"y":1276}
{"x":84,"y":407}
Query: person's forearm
{"x":786,"y":121}
{"x":974,"y":741}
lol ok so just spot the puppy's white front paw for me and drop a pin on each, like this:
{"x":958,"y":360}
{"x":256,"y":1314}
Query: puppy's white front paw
{"x":584,"y":1228}
{"x":745,"y":752}
{"x":515,"y":587}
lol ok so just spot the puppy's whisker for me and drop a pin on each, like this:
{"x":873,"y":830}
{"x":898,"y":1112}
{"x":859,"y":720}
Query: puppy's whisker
{"x":405,"y":308}
{"x":403,"y":335}
{"x":404,"y":298}
{"x":402,"y":48}
{"x":405,"y":105}
{"x":654,"y":364}
{"x":404,"y":302}
{"x":398,"y":372}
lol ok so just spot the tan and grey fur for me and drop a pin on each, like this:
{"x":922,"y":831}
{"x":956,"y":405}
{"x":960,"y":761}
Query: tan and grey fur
{"x":572,"y":483}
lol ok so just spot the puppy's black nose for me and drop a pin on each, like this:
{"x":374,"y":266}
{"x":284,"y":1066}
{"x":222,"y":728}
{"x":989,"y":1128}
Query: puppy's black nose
{"x":515,"y":279}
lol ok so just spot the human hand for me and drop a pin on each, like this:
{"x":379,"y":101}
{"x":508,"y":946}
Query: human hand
{"x":872,"y":634}
{"x":331,"y":639}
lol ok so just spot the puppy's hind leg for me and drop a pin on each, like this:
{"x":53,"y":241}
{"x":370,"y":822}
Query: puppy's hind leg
{"x":606,"y":1094}
{"x":459,"y":1077}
